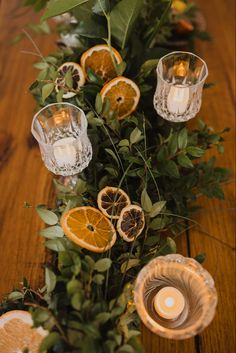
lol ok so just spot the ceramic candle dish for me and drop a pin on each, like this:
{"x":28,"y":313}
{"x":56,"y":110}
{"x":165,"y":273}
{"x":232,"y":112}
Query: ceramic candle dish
{"x":192,"y":280}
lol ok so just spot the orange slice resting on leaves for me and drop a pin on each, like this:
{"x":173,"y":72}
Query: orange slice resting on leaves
{"x":99,"y":60}
{"x":123,"y":95}
{"x":89,"y":228}
{"x":17,"y":333}
{"x":112,"y":200}
{"x":77,"y":76}
{"x":131,"y":222}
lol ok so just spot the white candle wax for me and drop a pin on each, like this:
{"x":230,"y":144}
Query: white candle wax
{"x":177,"y":100}
{"x":65,"y":152}
{"x":169,"y":303}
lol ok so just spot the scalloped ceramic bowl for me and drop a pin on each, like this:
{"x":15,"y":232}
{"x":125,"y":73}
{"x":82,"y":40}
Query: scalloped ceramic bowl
{"x":192,"y":280}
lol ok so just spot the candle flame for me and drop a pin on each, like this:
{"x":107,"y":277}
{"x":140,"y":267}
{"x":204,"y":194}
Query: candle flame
{"x":181,"y":68}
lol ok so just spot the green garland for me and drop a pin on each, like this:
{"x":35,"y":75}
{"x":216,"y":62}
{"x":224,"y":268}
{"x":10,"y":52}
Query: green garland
{"x":87,"y":302}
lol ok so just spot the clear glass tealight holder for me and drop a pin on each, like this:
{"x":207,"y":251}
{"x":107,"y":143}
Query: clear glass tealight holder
{"x":180,"y":80}
{"x":61,"y":131}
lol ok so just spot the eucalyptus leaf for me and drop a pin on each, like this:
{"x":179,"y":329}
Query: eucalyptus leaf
{"x":184,"y":161}
{"x":47,"y":90}
{"x":113,"y":155}
{"x":15,"y":296}
{"x":146,"y":201}
{"x":52,"y":232}
{"x":49,"y":341}
{"x":103,"y":265}
{"x":98,"y":103}
{"x":50,"y":280}
{"x":127,"y":265}
{"x":183,"y":138}
{"x":47,"y":216}
{"x":135,"y":136}
{"x":58,"y":7}
{"x":156,"y":208}
{"x":123,"y":19}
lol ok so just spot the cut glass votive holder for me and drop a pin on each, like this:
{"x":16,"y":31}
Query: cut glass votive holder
{"x":61,"y":131}
{"x":180,"y":80}
{"x":194,"y":286}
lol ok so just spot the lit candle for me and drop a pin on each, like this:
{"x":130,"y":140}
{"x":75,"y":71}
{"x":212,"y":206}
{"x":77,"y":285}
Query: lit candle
{"x":169,"y":303}
{"x":65,"y":152}
{"x":177,"y":100}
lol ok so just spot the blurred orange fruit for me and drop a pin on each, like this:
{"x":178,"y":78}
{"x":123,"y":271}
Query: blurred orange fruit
{"x":89,"y":228}
{"x":123,"y":95}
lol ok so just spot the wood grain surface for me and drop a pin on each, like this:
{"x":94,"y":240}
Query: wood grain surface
{"x":24,"y":178}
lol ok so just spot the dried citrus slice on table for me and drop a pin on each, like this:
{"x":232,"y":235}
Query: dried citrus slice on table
{"x":131,"y":222}
{"x":112,"y":200}
{"x":17,"y":333}
{"x":89,"y":228}
{"x":99,"y":60}
{"x":123,"y":95}
{"x":77,"y":76}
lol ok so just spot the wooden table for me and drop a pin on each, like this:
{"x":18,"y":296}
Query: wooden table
{"x":23,"y":176}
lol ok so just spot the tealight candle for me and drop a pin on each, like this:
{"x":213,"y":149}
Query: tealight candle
{"x":177,"y":100}
{"x":65,"y":152}
{"x":169,"y":303}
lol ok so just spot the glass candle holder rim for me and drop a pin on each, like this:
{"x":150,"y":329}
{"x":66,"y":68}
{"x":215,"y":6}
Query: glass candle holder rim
{"x":53,"y":104}
{"x":182,"y":333}
{"x":181,"y":52}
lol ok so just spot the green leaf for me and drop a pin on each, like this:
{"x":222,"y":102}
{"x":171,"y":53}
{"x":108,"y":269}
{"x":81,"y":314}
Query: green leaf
{"x":156,"y":208}
{"x":49,"y":341}
{"x":15,"y":296}
{"x":55,"y":244}
{"x":183,"y":138}
{"x":47,"y":216}
{"x":171,"y":169}
{"x":126,"y":348}
{"x":112,"y":154}
{"x":146,"y":201}
{"x":159,"y":223}
{"x":195,"y":151}
{"x":50,"y":280}
{"x":76,"y":301}
{"x":68,"y":78}
{"x":168,"y":248}
{"x":124,"y":143}
{"x":98,"y":104}
{"x":52,"y":232}
{"x":60,"y":95}
{"x":135,"y":136}
{"x":58,"y":7}
{"x":98,"y":279}
{"x":127,"y":265}
{"x":121,"y":68}
{"x":184,"y":161}
{"x":47,"y":90}
{"x":103,"y":265}
{"x":123,"y":19}
{"x":101,"y":318}
{"x":173,"y":144}
{"x":41,"y":65}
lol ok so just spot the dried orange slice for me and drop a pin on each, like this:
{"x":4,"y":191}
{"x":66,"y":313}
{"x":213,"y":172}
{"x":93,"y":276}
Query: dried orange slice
{"x":131,"y":222}
{"x":123,"y":95}
{"x":89,"y":228}
{"x":111,"y":201}
{"x":78,"y":78}
{"x":99,"y":59}
{"x":17,"y":333}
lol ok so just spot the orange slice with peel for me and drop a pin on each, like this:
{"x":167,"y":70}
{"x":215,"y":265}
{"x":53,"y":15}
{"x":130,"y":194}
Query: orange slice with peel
{"x":99,"y":59}
{"x":77,"y":75}
{"x":17,"y":333}
{"x":131,"y":222}
{"x":123,"y":95}
{"x":112,"y":200}
{"x":89,"y":228}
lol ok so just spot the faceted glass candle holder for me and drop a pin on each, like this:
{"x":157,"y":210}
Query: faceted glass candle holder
{"x":61,"y":131}
{"x":196,"y":297}
{"x":180,"y":80}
